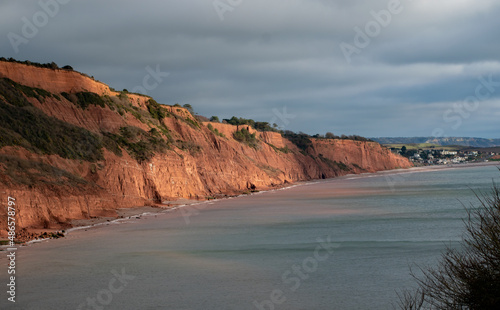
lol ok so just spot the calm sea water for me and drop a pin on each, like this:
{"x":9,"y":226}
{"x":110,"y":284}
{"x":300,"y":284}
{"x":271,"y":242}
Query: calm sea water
{"x":262,"y":251}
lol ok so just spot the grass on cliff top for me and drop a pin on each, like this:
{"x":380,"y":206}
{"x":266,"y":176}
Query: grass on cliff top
{"x":51,"y":65}
{"x":261,"y":126}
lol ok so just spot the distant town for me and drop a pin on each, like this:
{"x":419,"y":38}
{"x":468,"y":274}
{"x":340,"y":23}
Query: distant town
{"x":445,"y":155}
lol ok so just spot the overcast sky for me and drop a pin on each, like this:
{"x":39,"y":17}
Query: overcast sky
{"x":368,"y":67}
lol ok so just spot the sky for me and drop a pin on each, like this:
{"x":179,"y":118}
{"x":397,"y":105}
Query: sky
{"x":375,"y":68}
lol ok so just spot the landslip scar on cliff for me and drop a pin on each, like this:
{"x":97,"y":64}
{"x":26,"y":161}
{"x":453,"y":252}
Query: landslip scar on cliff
{"x":73,"y":148}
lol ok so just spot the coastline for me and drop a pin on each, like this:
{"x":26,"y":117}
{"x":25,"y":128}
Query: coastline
{"x":233,"y":244}
{"x":126,"y":215}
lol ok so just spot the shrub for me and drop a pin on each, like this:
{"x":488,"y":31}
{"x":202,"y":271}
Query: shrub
{"x":264,"y":126}
{"x":201,"y":118}
{"x":188,"y":146}
{"x":51,"y":65}
{"x":31,"y":128}
{"x":189,"y":108}
{"x":215,"y":119}
{"x":85,"y":99}
{"x":244,"y":136}
{"x":468,"y":278}
{"x":215,"y":131}
{"x":301,"y":140}
{"x":156,"y":110}
{"x":70,"y":97}
{"x":111,"y":144}
{"x":354,"y":138}
{"x":330,"y":135}
{"x":13,"y":92}
{"x":122,"y":95}
{"x":240,"y":121}
{"x":285,"y":149}
{"x":141,"y":145}
{"x":192,"y":122}
{"x":136,"y":115}
{"x":335,"y":165}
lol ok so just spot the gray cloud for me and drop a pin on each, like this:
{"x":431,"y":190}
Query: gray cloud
{"x":268,"y":55}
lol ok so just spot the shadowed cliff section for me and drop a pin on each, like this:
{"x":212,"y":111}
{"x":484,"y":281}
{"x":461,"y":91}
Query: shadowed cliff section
{"x":70,"y":148}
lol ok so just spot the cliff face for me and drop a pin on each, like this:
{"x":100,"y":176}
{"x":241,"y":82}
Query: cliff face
{"x":366,"y":156}
{"x":55,"y":81}
{"x":200,"y":160}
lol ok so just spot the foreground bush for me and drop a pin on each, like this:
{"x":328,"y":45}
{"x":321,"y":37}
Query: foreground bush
{"x":468,"y":278}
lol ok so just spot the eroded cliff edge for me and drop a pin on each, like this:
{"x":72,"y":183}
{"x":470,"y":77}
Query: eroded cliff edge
{"x":72,"y":148}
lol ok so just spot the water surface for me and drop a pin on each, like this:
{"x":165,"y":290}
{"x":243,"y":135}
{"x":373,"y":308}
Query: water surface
{"x":233,"y":253}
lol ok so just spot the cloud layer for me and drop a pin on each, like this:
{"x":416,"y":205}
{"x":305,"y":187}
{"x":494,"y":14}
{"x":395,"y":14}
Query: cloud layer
{"x":411,"y":70}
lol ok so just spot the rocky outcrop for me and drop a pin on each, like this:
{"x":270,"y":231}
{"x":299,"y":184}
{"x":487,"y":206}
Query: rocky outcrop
{"x":58,"y":80}
{"x":367,"y":156}
{"x":53,"y":80}
{"x":201,"y":162}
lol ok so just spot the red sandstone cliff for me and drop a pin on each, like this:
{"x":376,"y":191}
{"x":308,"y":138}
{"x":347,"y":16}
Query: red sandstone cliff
{"x":212,"y":165}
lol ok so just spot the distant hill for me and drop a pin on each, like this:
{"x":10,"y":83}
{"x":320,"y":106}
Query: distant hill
{"x":463,"y":141}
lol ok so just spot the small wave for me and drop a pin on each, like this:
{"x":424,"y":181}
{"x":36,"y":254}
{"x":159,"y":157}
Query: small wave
{"x":36,"y":241}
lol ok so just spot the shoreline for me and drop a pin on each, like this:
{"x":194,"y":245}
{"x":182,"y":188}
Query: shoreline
{"x":239,"y":242}
{"x":125,"y":215}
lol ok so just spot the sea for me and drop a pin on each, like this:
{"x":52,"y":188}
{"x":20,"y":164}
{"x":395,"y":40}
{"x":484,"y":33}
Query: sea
{"x":343,"y":243}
